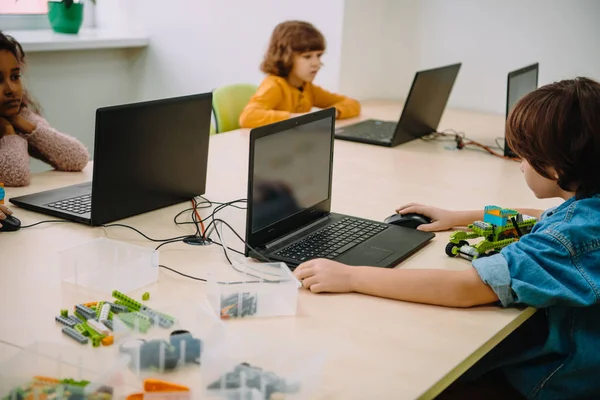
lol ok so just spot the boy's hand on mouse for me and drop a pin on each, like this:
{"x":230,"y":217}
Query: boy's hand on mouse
{"x":4,"y":212}
{"x":441,"y":219}
{"x":6,"y":127}
{"x":322,"y":275}
{"x":21,"y":124}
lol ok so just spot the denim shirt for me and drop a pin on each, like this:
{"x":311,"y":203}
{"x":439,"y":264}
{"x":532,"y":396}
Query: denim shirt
{"x":555,"y":268}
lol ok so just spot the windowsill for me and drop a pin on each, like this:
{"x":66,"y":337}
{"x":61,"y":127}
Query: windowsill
{"x":86,"y":39}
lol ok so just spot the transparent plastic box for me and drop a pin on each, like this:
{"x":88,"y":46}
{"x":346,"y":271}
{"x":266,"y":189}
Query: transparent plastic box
{"x":45,"y":363}
{"x":257,"y":368}
{"x":253,"y":290}
{"x":103,"y":265}
{"x":172,"y":343}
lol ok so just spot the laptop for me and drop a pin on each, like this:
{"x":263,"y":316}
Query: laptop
{"x":148,"y":155}
{"x":289,"y":199}
{"x":420,"y":116}
{"x":519,"y":83}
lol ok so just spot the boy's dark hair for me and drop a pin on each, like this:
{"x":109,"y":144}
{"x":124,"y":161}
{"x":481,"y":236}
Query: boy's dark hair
{"x":290,"y":37}
{"x":10,"y":44}
{"x":558,"y":126}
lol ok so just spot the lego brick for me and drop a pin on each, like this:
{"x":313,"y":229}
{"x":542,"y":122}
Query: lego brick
{"x":103,"y":314}
{"x":126,"y":300}
{"x":108,"y":323}
{"x":64,"y":312}
{"x":98,"y":327}
{"x":85,"y":312}
{"x":118,"y":308}
{"x":65,"y":321}
{"x":146,"y":296}
{"x":74,"y":335}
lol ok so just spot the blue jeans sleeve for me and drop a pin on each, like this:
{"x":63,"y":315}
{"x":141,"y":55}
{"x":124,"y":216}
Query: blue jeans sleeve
{"x":494,"y":272}
{"x":538,"y":271}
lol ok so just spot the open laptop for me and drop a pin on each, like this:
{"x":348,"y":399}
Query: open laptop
{"x":289,"y":200}
{"x":420,"y":116}
{"x":519,"y":83}
{"x":147,"y":156}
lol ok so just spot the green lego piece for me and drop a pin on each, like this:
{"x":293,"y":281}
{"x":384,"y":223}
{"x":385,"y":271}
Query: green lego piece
{"x":136,"y":320}
{"x":96,"y":341}
{"x":73,"y":382}
{"x":64,"y":312}
{"x":501,"y":227}
{"x":126,"y":301}
{"x":146,"y":296}
{"x":81,"y":329}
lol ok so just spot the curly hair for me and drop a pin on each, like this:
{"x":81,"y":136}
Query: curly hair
{"x":558,"y":127}
{"x":290,"y":37}
{"x":10,"y":44}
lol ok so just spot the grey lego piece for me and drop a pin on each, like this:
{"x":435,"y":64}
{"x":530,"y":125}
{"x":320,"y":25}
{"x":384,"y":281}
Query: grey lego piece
{"x":85,"y":311}
{"x":74,"y":319}
{"x":117,"y":308}
{"x":65,"y":321}
{"x":74,"y":334}
{"x":163,"y":322}
{"x":246,"y":375}
{"x":108,"y":323}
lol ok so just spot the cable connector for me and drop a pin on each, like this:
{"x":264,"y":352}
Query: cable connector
{"x":197,"y":241}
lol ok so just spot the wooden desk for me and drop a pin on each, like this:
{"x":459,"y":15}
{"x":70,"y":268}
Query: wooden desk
{"x":376,"y":348}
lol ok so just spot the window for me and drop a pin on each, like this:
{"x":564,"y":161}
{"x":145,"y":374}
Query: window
{"x":23,"y":6}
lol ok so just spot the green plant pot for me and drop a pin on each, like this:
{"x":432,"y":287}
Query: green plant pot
{"x":65,"y":19}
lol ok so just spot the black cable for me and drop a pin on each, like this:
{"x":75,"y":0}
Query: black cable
{"x":170,"y":241}
{"x":141,"y":233}
{"x":45,"y":222}
{"x":239,"y":237}
{"x":182,"y":274}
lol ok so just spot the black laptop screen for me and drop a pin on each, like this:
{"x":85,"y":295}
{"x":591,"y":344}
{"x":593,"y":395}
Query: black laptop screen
{"x":291,"y":172}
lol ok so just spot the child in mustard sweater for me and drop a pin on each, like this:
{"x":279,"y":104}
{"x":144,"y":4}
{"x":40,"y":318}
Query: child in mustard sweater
{"x":23,"y":132}
{"x":292,"y":62}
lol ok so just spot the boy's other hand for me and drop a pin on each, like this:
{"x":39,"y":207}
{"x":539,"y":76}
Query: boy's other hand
{"x":441,"y":219}
{"x":322,"y":275}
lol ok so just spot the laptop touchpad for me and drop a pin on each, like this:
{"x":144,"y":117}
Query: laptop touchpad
{"x":376,"y":254}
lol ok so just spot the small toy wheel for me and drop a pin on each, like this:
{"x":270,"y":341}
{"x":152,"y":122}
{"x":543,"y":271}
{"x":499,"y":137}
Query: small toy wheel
{"x":452,"y":248}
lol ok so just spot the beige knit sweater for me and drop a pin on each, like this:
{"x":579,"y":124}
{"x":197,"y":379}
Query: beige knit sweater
{"x":61,"y":151}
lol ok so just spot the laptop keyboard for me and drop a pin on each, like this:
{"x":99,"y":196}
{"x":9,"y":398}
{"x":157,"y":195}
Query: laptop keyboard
{"x":332,"y":240}
{"x":75,"y":205}
{"x":381,"y":131}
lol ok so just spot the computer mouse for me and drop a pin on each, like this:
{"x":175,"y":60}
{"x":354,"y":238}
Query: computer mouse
{"x":411,"y":220}
{"x":10,"y":224}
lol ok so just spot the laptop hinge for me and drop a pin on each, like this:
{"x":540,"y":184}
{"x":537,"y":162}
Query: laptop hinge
{"x":274,"y":243}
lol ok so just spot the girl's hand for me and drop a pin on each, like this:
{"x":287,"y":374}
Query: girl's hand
{"x":441,"y":219}
{"x":5,"y":127}
{"x":4,"y":211}
{"x":21,"y":124}
{"x":322,"y":275}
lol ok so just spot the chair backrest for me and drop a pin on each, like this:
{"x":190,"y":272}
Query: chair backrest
{"x":229,"y":102}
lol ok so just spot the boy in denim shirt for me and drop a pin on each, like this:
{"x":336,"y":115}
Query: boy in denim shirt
{"x":556,"y":354}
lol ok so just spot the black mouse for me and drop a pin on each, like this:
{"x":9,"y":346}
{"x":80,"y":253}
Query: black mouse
{"x":10,"y":224}
{"x":411,"y":220}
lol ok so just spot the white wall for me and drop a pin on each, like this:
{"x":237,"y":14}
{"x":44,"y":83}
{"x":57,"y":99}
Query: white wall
{"x":379,"y":53}
{"x":489,"y":37}
{"x":70,"y":86}
{"x":198,"y":45}
{"x":195,"y":46}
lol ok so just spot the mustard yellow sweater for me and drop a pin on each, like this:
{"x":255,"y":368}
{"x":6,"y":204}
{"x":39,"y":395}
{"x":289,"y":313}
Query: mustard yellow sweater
{"x":276,"y":99}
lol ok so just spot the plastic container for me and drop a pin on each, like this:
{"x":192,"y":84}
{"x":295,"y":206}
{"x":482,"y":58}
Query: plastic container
{"x":103,"y":265}
{"x":253,"y":290}
{"x":171,"y":339}
{"x":50,"y":362}
{"x":253,"y":367}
